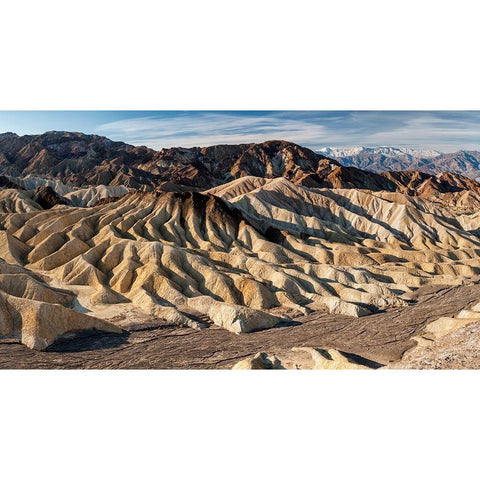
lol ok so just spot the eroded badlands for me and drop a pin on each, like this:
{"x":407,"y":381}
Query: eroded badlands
{"x":232,"y":247}
{"x":252,"y":254}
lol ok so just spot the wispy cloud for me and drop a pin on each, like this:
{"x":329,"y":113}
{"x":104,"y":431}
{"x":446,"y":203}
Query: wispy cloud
{"x":445,"y":131}
{"x":199,"y":129}
{"x":432,"y":131}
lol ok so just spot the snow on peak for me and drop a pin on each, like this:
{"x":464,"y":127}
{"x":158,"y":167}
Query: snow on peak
{"x":343,"y":152}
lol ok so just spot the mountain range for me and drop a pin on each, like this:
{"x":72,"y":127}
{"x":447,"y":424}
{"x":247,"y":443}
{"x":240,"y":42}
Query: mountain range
{"x":95,"y":167}
{"x":381,"y":159}
{"x":85,"y":160}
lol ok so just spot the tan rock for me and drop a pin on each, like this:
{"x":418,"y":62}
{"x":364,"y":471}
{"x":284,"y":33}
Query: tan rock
{"x":38,"y":324}
{"x":261,"y":361}
{"x":305,"y":358}
{"x":235,"y":318}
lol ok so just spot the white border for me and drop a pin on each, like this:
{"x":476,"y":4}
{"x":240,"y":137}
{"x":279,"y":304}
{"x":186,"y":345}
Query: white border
{"x":249,"y":55}
{"x":238,"y":425}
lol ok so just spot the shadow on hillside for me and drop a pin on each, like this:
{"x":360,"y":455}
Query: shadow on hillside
{"x":88,"y":341}
{"x":362,"y":360}
{"x":283,"y":324}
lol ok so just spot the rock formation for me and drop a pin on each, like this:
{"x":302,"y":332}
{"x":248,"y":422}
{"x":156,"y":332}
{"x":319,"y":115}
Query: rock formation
{"x":306,"y":358}
{"x":47,"y":198}
{"x":272,"y":251}
{"x":243,"y":237}
{"x":37,"y":314}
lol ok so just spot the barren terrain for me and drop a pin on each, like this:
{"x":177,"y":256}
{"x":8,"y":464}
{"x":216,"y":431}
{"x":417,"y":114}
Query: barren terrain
{"x":381,"y":338}
{"x":281,"y":249}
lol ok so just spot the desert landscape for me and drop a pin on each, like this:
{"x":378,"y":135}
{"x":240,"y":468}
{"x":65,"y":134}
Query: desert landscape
{"x":248,"y":256}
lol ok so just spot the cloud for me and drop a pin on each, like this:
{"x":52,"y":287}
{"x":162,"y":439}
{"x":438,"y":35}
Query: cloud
{"x":432,"y":131}
{"x":210,"y":128}
{"x":445,"y":131}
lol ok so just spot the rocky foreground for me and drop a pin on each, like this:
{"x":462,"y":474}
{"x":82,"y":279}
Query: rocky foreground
{"x":285,"y":259}
{"x":372,"y":342}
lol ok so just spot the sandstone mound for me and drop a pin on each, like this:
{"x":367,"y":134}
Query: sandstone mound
{"x":260,"y":361}
{"x":86,"y":197}
{"x":38,"y":324}
{"x":235,"y":318}
{"x":32,"y":182}
{"x":238,"y":187}
{"x":37,"y":314}
{"x":54,"y":192}
{"x":17,"y":201}
{"x":306,"y":358}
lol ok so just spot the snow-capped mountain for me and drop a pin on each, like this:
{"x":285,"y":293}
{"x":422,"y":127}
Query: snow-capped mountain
{"x":343,"y":152}
{"x":381,"y":159}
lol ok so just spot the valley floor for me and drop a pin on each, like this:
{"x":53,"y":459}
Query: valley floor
{"x":382,"y":338}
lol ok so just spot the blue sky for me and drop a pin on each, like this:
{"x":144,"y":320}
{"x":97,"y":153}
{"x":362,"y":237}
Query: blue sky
{"x":445,"y":131}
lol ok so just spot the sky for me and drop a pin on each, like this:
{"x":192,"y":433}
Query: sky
{"x":445,"y":131}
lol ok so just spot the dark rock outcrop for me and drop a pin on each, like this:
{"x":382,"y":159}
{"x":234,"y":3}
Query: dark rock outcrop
{"x":47,"y":198}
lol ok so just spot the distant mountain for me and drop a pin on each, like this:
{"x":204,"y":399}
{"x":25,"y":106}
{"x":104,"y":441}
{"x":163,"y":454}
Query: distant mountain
{"x":89,"y":160}
{"x":385,"y":151}
{"x":381,"y":159}
{"x":76,"y":158}
{"x":466,"y":163}
{"x":85,"y":160}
